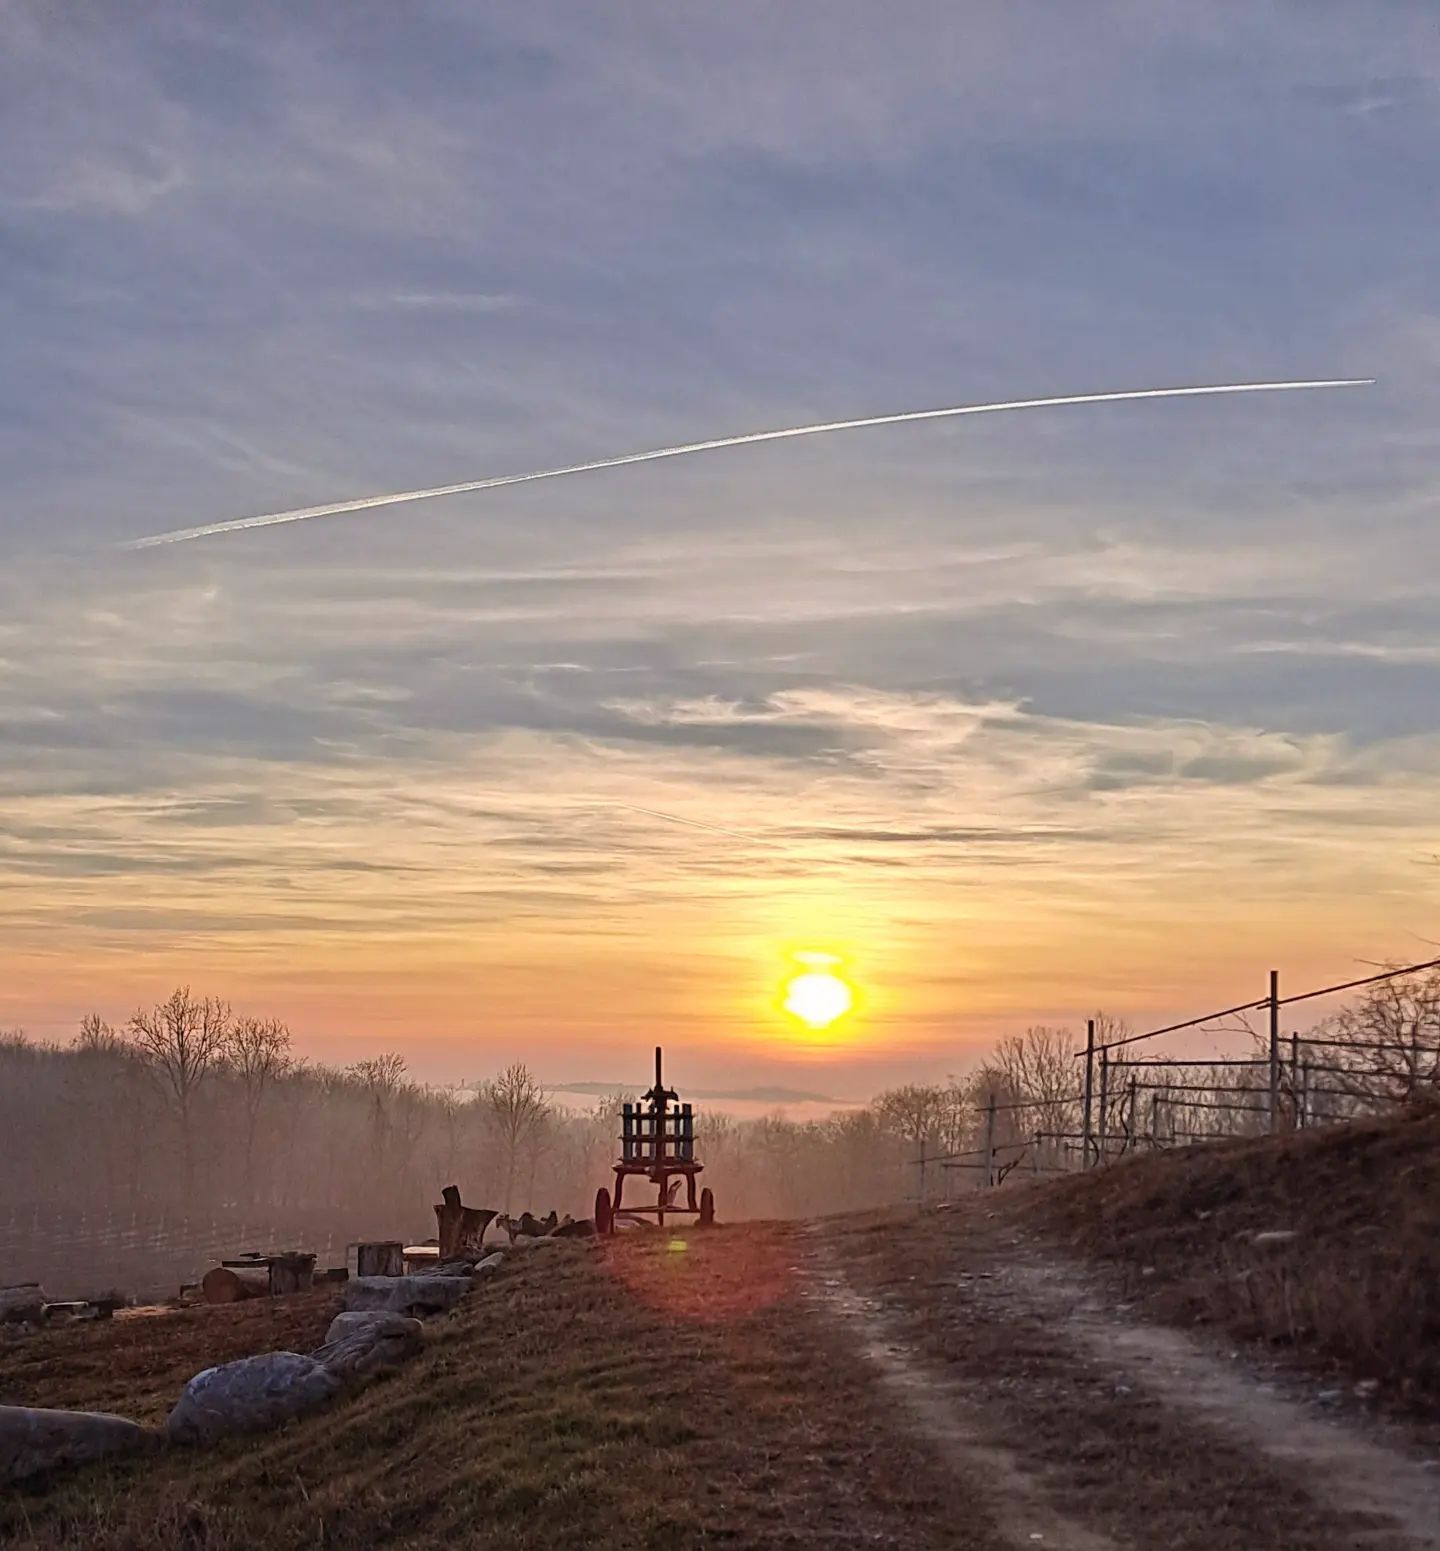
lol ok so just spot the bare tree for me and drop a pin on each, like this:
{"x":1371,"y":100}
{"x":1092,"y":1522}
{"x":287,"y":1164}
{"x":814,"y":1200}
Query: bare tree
{"x":1038,"y":1069}
{"x":1395,"y":1026}
{"x":516,"y":1109}
{"x":98,"y":1038}
{"x":257,"y":1051}
{"x":181,"y":1040}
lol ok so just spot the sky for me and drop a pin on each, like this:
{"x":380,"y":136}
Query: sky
{"x":1108,"y":706}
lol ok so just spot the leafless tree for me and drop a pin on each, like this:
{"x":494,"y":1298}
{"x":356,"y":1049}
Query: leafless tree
{"x":181,"y":1040}
{"x":515,"y":1109}
{"x":1395,"y":1027}
{"x":257,"y":1052}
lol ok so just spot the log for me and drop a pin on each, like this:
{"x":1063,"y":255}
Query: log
{"x":232,"y":1284}
{"x":462,"y":1228}
{"x":375,"y":1257}
{"x":291,"y":1273}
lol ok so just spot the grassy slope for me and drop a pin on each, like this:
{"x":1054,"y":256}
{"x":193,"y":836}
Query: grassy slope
{"x":628,"y":1396}
{"x":1359,"y":1285}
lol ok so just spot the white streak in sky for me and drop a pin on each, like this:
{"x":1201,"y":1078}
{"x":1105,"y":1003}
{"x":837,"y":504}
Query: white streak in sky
{"x":715,"y":829}
{"x":365,"y":503}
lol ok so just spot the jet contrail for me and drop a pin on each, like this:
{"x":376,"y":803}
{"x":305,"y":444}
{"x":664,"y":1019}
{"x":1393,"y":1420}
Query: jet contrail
{"x":365,"y":503}
{"x":715,"y":829}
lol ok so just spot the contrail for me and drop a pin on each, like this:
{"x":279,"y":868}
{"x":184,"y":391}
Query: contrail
{"x":715,"y":829}
{"x":365,"y":503}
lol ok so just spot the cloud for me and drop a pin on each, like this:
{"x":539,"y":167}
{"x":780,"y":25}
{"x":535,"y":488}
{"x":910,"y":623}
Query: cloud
{"x":1035,"y":707}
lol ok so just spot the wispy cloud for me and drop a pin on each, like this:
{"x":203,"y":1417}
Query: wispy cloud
{"x":1027,"y":711}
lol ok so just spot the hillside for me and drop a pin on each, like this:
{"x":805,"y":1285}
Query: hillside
{"x":989,"y":1376}
{"x":1326,"y":1243}
{"x":637,"y":1395}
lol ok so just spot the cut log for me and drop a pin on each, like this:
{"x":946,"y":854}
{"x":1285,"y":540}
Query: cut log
{"x":291,"y":1273}
{"x":375,"y":1257}
{"x":462,"y":1228}
{"x":231,"y":1284}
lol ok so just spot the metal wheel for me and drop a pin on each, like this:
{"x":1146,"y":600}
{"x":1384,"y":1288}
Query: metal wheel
{"x":707,"y":1207}
{"x":604,"y":1214}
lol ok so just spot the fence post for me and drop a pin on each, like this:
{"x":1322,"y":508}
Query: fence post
{"x":1274,"y":1051}
{"x":1130,"y":1124}
{"x":989,"y":1164}
{"x":1104,"y":1105}
{"x":1294,"y":1081}
{"x":1086,"y":1136}
{"x":922,"y":1175}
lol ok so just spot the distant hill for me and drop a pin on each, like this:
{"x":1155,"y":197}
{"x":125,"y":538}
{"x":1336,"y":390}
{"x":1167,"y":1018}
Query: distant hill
{"x":736,"y":1095}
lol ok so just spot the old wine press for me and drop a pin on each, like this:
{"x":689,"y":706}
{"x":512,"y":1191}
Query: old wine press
{"x":657,"y":1141}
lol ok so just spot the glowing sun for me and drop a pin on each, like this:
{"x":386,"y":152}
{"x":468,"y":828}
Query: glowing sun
{"x":818,"y":997}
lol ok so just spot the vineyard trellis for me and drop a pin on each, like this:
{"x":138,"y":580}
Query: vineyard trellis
{"x":1295,"y":1080}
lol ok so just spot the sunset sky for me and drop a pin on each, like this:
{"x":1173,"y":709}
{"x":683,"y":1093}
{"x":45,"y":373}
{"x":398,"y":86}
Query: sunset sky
{"x":1017,"y":716}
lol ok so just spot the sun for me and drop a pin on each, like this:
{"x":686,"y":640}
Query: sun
{"x":818,"y":996}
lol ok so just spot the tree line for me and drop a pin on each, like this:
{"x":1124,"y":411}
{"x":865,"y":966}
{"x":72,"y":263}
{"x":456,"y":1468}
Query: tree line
{"x":192,"y":1107}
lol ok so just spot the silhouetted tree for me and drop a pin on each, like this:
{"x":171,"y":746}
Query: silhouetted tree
{"x":181,"y":1041}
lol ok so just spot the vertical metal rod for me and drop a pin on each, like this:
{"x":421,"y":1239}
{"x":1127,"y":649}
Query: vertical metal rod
{"x":1294,"y":1081}
{"x":1087,"y":1134}
{"x":1104,"y":1106}
{"x":922,"y":1174}
{"x":1274,"y":1051}
{"x":989,"y":1165}
{"x":1130,"y":1124}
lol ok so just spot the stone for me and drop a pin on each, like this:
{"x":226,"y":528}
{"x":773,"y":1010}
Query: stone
{"x":416,"y":1295}
{"x":378,"y":1345}
{"x":250,"y":1395}
{"x":489,"y":1265}
{"x":22,"y":1304}
{"x":1275,"y":1236}
{"x":34,"y":1440}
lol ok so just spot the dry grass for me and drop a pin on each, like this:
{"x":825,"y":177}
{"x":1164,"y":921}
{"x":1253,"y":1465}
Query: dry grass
{"x":628,"y":1396}
{"x":1113,"y":1454}
{"x":1357,"y":1288}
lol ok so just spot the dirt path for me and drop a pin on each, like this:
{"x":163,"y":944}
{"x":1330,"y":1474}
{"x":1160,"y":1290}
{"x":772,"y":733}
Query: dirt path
{"x":1092,"y":1430}
{"x":1022,"y":1509}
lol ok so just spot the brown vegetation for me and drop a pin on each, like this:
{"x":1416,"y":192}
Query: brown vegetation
{"x":1352,"y":1276}
{"x":624,"y":1396}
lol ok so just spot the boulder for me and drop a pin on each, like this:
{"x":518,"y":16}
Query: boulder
{"x":489,"y":1265}
{"x":32,"y":1440}
{"x":450,"y":1268}
{"x":250,"y":1395}
{"x":357,"y":1319}
{"x":22,"y":1304}
{"x":378,"y":1344}
{"x":415,"y":1295}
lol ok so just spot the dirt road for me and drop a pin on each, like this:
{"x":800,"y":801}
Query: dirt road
{"x":1072,"y":1423}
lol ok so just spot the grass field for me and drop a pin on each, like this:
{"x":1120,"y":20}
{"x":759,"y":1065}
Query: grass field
{"x":635,"y":1395}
